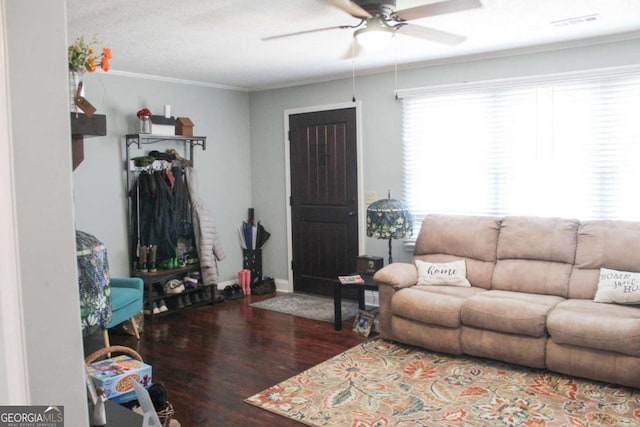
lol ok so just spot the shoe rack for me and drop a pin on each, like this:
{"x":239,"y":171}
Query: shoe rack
{"x":159,"y":299}
{"x":156,"y":292}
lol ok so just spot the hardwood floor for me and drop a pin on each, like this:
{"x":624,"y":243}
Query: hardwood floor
{"x":210,"y":359}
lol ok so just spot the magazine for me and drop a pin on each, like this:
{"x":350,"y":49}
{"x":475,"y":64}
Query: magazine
{"x":353,"y":279}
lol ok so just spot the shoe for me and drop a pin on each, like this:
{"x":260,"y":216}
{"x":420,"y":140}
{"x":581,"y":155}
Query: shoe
{"x":228,"y":292}
{"x":187,"y":300}
{"x":153,"y":249}
{"x":162,"y":306}
{"x":190,"y":282}
{"x":142,"y":259}
{"x":180,"y":303}
{"x":156,"y":310}
{"x":165,"y":264}
{"x":237,"y":291}
{"x":147,"y":308}
{"x":173,"y":286}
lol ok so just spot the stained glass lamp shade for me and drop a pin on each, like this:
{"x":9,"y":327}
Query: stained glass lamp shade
{"x":389,"y":219}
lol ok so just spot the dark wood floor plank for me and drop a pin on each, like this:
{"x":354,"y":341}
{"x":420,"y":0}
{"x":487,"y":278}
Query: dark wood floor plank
{"x":212,"y":358}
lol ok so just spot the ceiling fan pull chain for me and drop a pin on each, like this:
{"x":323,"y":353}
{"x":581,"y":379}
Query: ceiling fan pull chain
{"x":353,"y":69}
{"x":395,"y":69}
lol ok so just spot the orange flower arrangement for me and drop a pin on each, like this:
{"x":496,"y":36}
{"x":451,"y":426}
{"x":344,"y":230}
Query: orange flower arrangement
{"x":82,"y":56}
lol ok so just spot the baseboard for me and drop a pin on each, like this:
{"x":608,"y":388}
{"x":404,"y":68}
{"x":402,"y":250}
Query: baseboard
{"x":222,"y":285}
{"x":283,"y":285}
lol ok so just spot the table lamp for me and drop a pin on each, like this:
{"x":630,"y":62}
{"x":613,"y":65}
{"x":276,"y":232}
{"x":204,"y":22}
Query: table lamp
{"x":389,"y":219}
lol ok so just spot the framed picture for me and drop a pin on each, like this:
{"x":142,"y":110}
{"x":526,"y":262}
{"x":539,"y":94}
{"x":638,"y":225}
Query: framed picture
{"x":363,"y":323}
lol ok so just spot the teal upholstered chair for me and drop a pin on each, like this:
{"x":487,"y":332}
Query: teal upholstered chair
{"x":126,"y":302}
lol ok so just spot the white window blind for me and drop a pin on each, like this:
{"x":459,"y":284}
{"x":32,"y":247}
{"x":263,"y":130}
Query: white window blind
{"x":566,"y":147}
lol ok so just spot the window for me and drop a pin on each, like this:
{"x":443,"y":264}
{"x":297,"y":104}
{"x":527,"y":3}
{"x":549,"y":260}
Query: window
{"x":566,"y":146}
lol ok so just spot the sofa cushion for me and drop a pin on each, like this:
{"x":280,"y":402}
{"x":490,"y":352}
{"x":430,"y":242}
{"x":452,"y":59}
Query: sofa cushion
{"x":532,"y":276}
{"x":621,"y":287}
{"x":452,"y":273}
{"x":603,"y":244}
{"x":535,"y":255}
{"x":444,"y":238}
{"x":510,"y":312}
{"x":593,"y":363}
{"x":437,"y":305}
{"x":521,"y":349}
{"x":545,"y":239}
{"x":584,"y":323}
{"x":432,"y":337}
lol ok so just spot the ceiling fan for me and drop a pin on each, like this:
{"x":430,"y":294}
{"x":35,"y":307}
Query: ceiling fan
{"x":379,"y":21}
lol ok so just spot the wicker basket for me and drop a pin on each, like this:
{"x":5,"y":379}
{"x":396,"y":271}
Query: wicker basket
{"x":166,"y":414}
{"x":112,"y":349}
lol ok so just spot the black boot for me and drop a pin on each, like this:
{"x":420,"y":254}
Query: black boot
{"x":142,"y":259}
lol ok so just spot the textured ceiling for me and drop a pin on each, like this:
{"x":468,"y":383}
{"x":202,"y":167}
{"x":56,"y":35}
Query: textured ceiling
{"x":219,"y":42}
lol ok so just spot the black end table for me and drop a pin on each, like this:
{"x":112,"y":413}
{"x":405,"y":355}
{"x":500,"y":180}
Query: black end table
{"x":369,"y":285}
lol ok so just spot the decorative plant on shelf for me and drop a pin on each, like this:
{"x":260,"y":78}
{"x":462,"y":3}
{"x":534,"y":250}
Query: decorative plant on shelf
{"x":83,"y":57}
{"x":145,"y":120}
{"x":144,"y":113}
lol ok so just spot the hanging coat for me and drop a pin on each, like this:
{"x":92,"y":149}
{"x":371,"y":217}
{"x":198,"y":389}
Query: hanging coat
{"x":207,"y":239}
{"x":154,"y":214}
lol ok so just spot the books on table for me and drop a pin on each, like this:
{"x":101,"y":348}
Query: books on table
{"x":353,"y":279}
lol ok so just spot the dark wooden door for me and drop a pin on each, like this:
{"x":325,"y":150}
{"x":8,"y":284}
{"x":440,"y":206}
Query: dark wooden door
{"x":324,"y":207}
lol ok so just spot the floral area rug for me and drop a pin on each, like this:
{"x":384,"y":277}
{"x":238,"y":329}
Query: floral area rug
{"x":380,"y":383}
{"x":309,"y":306}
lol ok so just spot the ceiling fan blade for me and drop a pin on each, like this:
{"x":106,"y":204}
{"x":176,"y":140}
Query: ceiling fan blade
{"x":350,"y":7}
{"x":433,"y":9}
{"x":297,"y":33}
{"x":431,"y":34}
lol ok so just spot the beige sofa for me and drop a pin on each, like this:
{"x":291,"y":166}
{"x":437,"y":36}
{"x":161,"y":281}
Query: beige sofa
{"x":533,"y":282}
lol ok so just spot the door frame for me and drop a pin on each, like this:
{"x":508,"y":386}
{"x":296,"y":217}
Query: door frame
{"x":14,"y":363}
{"x":287,"y":172}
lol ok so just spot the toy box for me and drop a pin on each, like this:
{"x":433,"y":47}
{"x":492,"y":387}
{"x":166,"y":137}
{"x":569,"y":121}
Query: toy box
{"x":114,"y":376}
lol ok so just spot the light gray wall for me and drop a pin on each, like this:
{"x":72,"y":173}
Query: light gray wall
{"x":382,"y":127}
{"x":42,"y":170}
{"x":223,"y":168}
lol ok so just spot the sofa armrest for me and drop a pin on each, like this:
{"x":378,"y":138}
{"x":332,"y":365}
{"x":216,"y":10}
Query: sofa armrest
{"x":127,"y":282}
{"x":398,"y":275}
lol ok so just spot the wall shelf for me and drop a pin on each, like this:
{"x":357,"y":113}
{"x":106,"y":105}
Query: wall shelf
{"x":84,"y":126}
{"x":141,"y":139}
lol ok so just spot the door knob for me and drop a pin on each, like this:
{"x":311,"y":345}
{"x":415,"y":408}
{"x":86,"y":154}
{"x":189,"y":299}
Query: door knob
{"x":352,"y":213}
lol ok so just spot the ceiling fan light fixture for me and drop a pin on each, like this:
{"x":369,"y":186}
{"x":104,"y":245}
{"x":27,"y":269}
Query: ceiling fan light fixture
{"x":375,"y":35}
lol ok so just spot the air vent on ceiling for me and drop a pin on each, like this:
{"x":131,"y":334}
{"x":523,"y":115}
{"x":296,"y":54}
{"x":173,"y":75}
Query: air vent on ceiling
{"x":576,"y":20}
